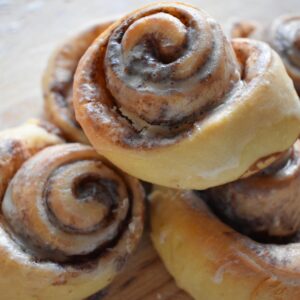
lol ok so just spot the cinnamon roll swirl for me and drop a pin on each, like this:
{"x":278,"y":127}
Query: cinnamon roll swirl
{"x":284,"y":36}
{"x":211,"y":260}
{"x":69,"y":221}
{"x":58,"y":81}
{"x":165,"y":89}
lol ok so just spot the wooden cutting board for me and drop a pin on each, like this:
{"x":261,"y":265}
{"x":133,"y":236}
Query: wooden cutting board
{"x":30,"y":30}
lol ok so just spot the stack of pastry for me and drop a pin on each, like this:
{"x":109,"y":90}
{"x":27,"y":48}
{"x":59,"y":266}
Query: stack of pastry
{"x":212,"y":123}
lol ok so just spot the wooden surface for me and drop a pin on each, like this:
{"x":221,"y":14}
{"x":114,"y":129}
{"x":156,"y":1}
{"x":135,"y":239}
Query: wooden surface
{"x":30,"y":30}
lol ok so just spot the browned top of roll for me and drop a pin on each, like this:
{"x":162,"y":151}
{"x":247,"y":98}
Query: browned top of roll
{"x":154,"y":73}
{"x":68,"y":204}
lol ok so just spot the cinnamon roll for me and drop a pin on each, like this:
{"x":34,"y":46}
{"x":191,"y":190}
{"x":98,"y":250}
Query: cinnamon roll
{"x":212,"y":260}
{"x":165,"y":89}
{"x":284,"y":36}
{"x":266,"y":204}
{"x":69,"y":220}
{"x":58,"y":81}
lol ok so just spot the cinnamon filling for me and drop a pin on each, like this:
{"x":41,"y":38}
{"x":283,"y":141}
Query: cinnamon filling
{"x":264,"y":206}
{"x":243,"y":29}
{"x":156,"y":68}
{"x":74,"y":210}
{"x":287,"y":39}
{"x":284,"y":37}
{"x":91,"y":186}
{"x":138,"y":99}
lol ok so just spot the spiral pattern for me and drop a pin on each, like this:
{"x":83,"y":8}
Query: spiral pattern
{"x":284,"y":37}
{"x":266,"y":204}
{"x":58,"y":82}
{"x":167,"y":64}
{"x":66,"y":201}
{"x":158,"y":69}
{"x":164,"y":88}
{"x":69,"y":219}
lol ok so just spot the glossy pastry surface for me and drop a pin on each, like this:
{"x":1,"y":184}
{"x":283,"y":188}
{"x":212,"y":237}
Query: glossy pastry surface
{"x":69,"y":220}
{"x":210,"y":260}
{"x":165,"y":89}
{"x":58,"y":82}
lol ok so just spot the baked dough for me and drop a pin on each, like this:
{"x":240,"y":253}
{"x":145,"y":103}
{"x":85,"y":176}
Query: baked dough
{"x":282,"y":35}
{"x":210,"y":260}
{"x":265,"y":204}
{"x":189,"y":114}
{"x":20,"y":143}
{"x":58,"y":82}
{"x":69,"y":219}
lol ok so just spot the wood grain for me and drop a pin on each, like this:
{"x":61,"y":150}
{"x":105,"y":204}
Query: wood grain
{"x":145,"y":278}
{"x":30,"y":30}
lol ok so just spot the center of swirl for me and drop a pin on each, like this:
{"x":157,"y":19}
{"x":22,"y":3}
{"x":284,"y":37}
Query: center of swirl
{"x":168,"y":66}
{"x":78,"y":196}
{"x":164,"y":33}
{"x":92,"y":187}
{"x":66,"y":201}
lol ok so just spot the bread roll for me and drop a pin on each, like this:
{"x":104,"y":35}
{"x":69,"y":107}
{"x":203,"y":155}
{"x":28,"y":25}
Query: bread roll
{"x":69,"y":219}
{"x":165,"y":97}
{"x":58,"y":82}
{"x":211,"y":260}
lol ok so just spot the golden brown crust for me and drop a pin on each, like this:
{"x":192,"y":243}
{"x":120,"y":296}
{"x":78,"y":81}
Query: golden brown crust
{"x":161,"y":144}
{"x":58,"y":82}
{"x":210,"y":260}
{"x":162,"y":96}
{"x":69,"y":219}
